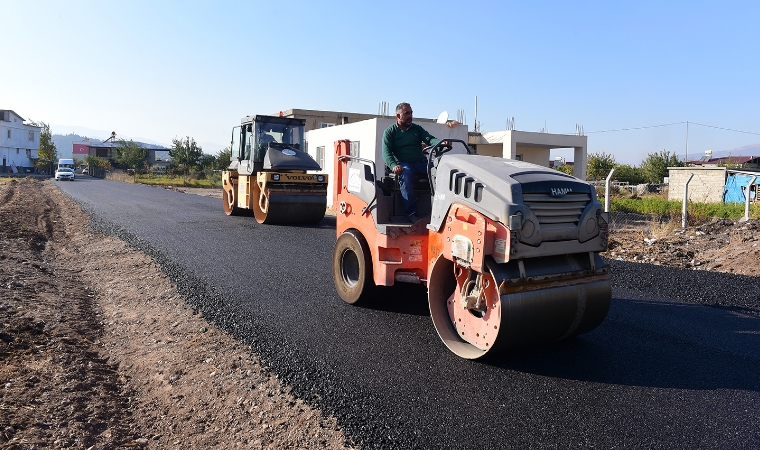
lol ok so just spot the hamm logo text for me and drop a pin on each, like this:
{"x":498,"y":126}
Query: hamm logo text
{"x":559,"y":192}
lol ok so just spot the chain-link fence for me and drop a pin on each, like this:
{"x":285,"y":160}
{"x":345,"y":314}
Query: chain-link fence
{"x":622,"y":220}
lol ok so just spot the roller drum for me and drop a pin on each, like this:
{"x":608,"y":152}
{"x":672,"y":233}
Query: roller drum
{"x":552,"y":314}
{"x":284,"y":207}
{"x":556,"y":298}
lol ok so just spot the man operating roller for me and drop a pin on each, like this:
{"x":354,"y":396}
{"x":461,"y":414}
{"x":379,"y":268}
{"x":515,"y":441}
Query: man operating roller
{"x":402,"y":152}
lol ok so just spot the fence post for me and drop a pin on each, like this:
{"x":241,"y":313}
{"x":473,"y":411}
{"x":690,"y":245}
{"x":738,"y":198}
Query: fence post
{"x":607,"y":191}
{"x":746,"y":204}
{"x":685,"y":201}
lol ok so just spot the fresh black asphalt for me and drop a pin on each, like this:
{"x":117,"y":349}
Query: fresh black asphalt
{"x":676,"y":364}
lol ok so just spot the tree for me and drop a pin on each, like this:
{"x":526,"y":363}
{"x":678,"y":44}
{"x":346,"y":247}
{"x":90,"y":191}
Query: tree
{"x":599,"y":166}
{"x":94,"y":161}
{"x":629,"y":174}
{"x":655,"y":167}
{"x":565,"y":168}
{"x":47,"y":153}
{"x":223,"y":159}
{"x":185,"y":153}
{"x":207,"y":161}
{"x":731,"y":164}
{"x":129,"y":154}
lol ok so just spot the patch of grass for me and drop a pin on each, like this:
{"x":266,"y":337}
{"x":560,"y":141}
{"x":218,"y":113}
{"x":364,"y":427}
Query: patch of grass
{"x":697,"y":212}
{"x":150,"y":179}
{"x":645,"y":205}
{"x":178,"y":180}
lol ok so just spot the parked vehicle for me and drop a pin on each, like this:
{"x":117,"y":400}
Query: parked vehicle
{"x":67,"y":163}
{"x":64,"y":173}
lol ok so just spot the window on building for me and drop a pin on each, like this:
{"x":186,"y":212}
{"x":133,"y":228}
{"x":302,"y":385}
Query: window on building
{"x":355,"y":148}
{"x":31,"y":136}
{"x":18,"y":150}
{"x":29,"y":153}
{"x":325,"y":124}
{"x":9,"y":133}
{"x":321,"y":157}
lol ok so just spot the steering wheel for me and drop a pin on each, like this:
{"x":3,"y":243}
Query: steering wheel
{"x":439,"y":150}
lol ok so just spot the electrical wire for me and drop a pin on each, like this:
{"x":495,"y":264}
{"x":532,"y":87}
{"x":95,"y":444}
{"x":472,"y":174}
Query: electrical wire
{"x":637,"y":128}
{"x":726,"y":129}
{"x":675,"y":123}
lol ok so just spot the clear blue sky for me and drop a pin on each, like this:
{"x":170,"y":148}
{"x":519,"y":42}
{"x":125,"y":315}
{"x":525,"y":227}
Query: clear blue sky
{"x":165,"y":69}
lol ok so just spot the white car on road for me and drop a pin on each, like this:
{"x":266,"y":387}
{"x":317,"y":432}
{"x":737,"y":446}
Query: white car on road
{"x":64,"y":173}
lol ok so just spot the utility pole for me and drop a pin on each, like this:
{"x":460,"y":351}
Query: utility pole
{"x":686,"y":159}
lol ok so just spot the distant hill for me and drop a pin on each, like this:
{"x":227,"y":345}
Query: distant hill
{"x":64,"y":143}
{"x":747,"y":150}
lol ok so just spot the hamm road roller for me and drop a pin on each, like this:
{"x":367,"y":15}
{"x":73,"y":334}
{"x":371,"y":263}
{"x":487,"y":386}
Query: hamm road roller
{"x":509,"y":251}
{"x":268,"y":173}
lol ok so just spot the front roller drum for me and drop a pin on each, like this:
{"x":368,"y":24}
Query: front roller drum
{"x":282,"y":207}
{"x":473,"y":326}
{"x":229,"y":196}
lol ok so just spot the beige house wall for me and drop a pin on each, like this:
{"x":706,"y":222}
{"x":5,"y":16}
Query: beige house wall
{"x":535,"y":148}
{"x":705,"y":187}
{"x":496,"y":150}
{"x":533,"y":155}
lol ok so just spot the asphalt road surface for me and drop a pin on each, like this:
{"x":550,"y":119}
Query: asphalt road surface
{"x":662,"y":371}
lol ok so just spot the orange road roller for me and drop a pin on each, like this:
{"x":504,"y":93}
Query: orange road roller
{"x":509,"y":251}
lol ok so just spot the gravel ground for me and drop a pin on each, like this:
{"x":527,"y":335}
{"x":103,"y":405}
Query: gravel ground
{"x":99,"y":350}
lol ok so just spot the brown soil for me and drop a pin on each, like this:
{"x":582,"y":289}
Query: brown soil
{"x":721,"y":245}
{"x":97,"y":349}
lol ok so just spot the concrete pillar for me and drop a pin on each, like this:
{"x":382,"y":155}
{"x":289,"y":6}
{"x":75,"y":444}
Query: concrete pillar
{"x":580,"y":159}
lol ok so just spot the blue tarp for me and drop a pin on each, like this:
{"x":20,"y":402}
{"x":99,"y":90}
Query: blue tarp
{"x":736,"y":185}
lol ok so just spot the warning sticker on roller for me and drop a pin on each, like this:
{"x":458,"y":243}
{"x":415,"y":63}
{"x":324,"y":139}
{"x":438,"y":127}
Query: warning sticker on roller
{"x":415,"y":258}
{"x":501,"y":246}
{"x":354,"y":180}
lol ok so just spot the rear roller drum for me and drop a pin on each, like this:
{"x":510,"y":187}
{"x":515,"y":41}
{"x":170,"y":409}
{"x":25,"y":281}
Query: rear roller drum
{"x":352,"y":267}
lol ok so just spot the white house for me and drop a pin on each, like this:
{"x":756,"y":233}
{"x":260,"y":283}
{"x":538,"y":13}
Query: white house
{"x":19,"y":143}
{"x":531,"y":147}
{"x":366,"y":142}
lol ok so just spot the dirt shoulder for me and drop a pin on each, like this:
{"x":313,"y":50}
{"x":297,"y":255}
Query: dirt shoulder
{"x":722,"y":245}
{"x":99,"y":351}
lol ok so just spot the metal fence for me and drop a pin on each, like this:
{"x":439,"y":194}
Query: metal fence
{"x":620,"y":221}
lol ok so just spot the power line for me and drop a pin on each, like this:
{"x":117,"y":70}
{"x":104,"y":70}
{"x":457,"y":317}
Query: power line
{"x":638,"y":128}
{"x":726,"y":129}
{"x":675,"y":123}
